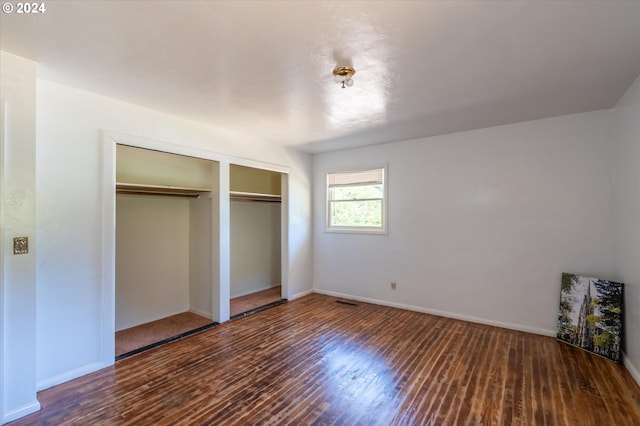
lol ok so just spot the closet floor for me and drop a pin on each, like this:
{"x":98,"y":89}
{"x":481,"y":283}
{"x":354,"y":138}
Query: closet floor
{"x":255,"y":300}
{"x":147,"y":334}
{"x":156,"y":331}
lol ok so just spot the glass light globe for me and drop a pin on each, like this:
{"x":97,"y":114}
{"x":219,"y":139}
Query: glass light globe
{"x":349,"y":82}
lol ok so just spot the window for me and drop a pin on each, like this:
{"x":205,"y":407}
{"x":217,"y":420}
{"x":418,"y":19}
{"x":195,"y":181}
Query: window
{"x":356,"y":201}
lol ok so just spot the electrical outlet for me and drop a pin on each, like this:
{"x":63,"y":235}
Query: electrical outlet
{"x":394,"y":285}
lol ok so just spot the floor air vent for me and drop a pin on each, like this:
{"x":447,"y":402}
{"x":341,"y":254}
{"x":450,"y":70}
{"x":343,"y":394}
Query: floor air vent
{"x":342,"y":302}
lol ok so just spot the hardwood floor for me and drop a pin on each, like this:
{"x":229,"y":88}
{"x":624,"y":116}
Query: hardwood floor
{"x":254,"y":300}
{"x":315,"y":361}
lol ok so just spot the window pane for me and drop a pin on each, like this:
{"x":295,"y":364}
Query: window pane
{"x":356,"y":201}
{"x":356,"y":213}
{"x":356,"y":192}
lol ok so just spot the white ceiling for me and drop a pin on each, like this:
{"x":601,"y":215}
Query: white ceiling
{"x":263,"y":68}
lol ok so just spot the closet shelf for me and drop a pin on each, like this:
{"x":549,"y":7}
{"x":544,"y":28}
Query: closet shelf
{"x":253,"y":196}
{"x":143,"y":189}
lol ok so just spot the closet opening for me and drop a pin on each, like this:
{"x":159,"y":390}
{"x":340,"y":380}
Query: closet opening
{"x":166,"y":247}
{"x":255,"y":239}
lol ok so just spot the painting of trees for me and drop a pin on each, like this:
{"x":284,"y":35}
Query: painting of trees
{"x":609,"y":320}
{"x":590,"y":315}
{"x":565,"y":327}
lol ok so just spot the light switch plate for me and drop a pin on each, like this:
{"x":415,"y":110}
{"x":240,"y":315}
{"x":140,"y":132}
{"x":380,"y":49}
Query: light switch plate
{"x":20,"y":245}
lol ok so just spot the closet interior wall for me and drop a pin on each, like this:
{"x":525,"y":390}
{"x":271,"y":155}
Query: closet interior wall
{"x":255,"y":231}
{"x":165,"y":229}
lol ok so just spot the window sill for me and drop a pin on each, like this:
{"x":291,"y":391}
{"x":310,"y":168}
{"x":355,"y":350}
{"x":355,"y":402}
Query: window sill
{"x":365,"y":231}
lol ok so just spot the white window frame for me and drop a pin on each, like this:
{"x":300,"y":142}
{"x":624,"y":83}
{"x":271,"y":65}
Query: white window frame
{"x":382,"y":230}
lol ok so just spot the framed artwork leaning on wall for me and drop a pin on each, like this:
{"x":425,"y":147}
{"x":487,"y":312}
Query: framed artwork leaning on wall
{"x":590,"y":315}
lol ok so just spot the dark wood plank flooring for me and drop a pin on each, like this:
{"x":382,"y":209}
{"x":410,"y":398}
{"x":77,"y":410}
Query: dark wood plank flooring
{"x":315,"y":361}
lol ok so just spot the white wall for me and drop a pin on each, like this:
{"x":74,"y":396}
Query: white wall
{"x":70,"y":125}
{"x":626,"y":196}
{"x":17,"y":219}
{"x":255,"y":246}
{"x":152,"y":258}
{"x":481,"y":223}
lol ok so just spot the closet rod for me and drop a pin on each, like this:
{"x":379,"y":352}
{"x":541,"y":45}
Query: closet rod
{"x":251,"y":196}
{"x":159,"y":194}
{"x":171,"y":191}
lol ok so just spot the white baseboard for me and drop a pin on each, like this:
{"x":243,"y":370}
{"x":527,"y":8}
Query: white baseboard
{"x":631,"y":368}
{"x":22,"y":411}
{"x":70,"y":375}
{"x":301,"y":294}
{"x":518,"y":327}
{"x":201,"y":313}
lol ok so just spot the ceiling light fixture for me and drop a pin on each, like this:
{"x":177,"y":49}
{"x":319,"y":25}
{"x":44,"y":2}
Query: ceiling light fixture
{"x":343,"y":75}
